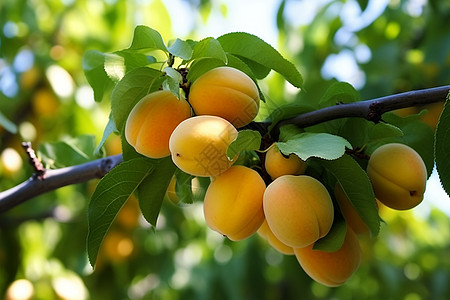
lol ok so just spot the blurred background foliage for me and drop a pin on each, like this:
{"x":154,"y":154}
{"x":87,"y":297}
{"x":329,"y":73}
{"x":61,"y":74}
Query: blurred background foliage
{"x":381,"y":47}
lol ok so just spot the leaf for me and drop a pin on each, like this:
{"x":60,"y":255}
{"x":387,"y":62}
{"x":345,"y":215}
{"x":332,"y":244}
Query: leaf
{"x":356,"y":185}
{"x":201,"y":66}
{"x":442,"y":147}
{"x":183,"y":186}
{"x":384,"y":130}
{"x":339,"y":92}
{"x":287,"y":111}
{"x":211,"y":48}
{"x":257,"y":69}
{"x":334,"y":239}
{"x":246,"y":140}
{"x":172,"y":81}
{"x":73,"y":151}
{"x":93,"y":66}
{"x":110,"y":128}
{"x":146,"y":38}
{"x":181,"y":49}
{"x":255,"y":49}
{"x":133,"y":59}
{"x":110,"y":195}
{"x":7,"y":124}
{"x":309,"y":144}
{"x":128,"y":91}
{"x":153,"y":188}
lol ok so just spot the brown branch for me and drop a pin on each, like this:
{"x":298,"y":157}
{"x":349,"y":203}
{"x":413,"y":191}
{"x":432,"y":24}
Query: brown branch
{"x":55,"y":179}
{"x":371,"y":110}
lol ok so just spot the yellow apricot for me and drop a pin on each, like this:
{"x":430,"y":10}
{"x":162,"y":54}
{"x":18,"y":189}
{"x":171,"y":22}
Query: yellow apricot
{"x":171,"y":193}
{"x":152,"y":120}
{"x":276,"y":164}
{"x":265,"y":232}
{"x":331,"y":268}
{"x":349,"y":212}
{"x":233,"y":203}
{"x":398,"y":176}
{"x":225,"y":92}
{"x":199,"y":145}
{"x":298,"y":209}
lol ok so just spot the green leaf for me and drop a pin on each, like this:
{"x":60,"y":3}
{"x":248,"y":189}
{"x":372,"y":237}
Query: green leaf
{"x":246,"y":140}
{"x":288,"y":131}
{"x":211,"y":48}
{"x":257,"y":69}
{"x":309,"y":144}
{"x":146,"y":38}
{"x":93,"y":66}
{"x":334,"y":239}
{"x":70,"y":152}
{"x":110,"y":128}
{"x":128,"y":91}
{"x":7,"y":124}
{"x":287,"y":111}
{"x":172,"y":81}
{"x":201,"y":66}
{"x":181,"y":49}
{"x":133,"y":59}
{"x":255,"y":49}
{"x":110,"y":195}
{"x":384,"y":130}
{"x":183,"y":186}
{"x":339,"y":92}
{"x":356,"y":185}
{"x":153,"y":188}
{"x":442,"y":147}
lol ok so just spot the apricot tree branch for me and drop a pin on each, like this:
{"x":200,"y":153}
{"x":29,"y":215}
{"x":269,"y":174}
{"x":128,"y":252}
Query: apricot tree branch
{"x":371,"y":110}
{"x":54,"y":179}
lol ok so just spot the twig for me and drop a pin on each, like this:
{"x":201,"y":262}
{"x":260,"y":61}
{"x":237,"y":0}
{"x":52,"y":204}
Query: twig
{"x":39,"y":170}
{"x":55,"y":179}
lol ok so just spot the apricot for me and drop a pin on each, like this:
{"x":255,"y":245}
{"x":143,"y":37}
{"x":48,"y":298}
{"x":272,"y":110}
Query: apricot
{"x":398,"y":176}
{"x":152,"y":120}
{"x":233,"y":204}
{"x":331,"y":268}
{"x":265,"y":232}
{"x":225,"y":92}
{"x":276,"y":164}
{"x":349,"y":212}
{"x":298,"y":209}
{"x":199,"y":144}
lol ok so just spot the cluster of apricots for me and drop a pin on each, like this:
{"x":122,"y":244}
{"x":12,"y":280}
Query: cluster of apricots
{"x":294,"y":210}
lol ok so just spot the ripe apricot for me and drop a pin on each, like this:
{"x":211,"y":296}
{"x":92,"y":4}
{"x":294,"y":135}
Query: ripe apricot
{"x":298,"y":209}
{"x":152,"y":120}
{"x":233,"y":203}
{"x":349,"y":212}
{"x":331,"y":268}
{"x":265,"y":232}
{"x":398,"y":176}
{"x":199,"y":145}
{"x":225,"y":92}
{"x":276,"y":164}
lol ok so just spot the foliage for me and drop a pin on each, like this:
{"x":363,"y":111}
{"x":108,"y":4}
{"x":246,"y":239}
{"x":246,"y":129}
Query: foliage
{"x":182,"y":259}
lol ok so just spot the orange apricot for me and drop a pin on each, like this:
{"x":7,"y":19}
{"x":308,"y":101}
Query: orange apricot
{"x":152,"y":120}
{"x":265,"y":232}
{"x":331,"y":268}
{"x":233,"y":203}
{"x":199,"y":145}
{"x":398,"y":176}
{"x":225,"y":92}
{"x":298,"y":209}
{"x":276,"y":164}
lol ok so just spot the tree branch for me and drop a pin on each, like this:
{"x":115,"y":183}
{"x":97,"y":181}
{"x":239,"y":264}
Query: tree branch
{"x":371,"y":110}
{"x":54,"y":179}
